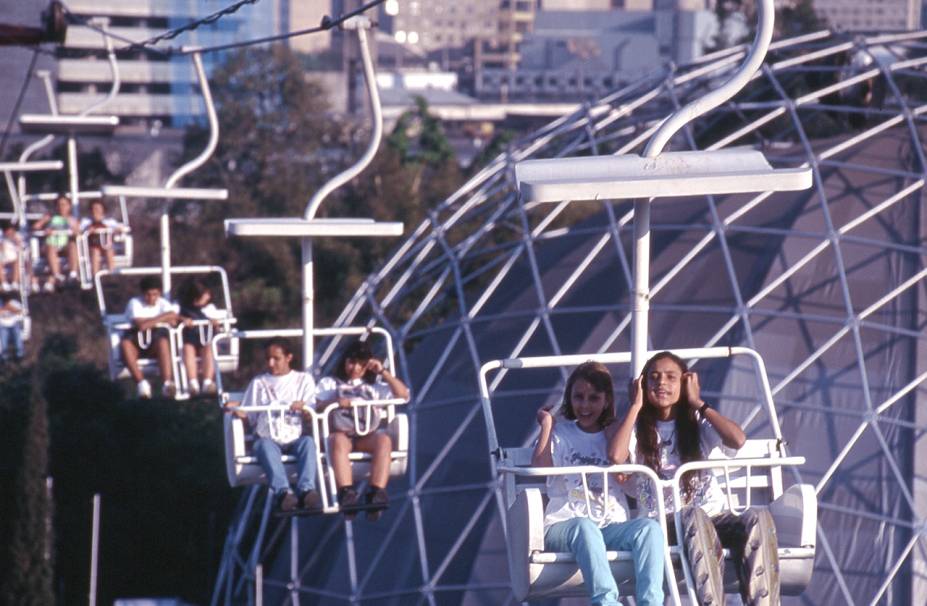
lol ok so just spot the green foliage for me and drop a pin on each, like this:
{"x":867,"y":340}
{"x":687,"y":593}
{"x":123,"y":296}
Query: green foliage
{"x":26,"y":576}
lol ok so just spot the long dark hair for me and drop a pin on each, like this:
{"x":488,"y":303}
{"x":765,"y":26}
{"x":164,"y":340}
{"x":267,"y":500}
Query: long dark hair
{"x":600,"y":379}
{"x":190,"y":292}
{"x":687,"y":427}
{"x":359,"y":351}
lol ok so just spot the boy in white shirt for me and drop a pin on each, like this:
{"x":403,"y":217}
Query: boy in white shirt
{"x":11,"y":326}
{"x":146,"y":337}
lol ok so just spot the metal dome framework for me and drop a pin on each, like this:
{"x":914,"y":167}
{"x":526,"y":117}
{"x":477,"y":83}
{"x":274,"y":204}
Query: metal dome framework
{"x":828,"y":284}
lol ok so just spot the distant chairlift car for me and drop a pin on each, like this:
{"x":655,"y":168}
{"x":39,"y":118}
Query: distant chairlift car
{"x":753,"y":477}
{"x":241,"y":465}
{"x":116,"y":323}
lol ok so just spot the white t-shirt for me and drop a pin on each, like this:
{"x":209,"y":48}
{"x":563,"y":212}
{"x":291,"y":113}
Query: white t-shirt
{"x":12,"y":316}
{"x":138,"y":310}
{"x":706,"y":492}
{"x":572,"y":446}
{"x":342,"y":419}
{"x":283,"y":426}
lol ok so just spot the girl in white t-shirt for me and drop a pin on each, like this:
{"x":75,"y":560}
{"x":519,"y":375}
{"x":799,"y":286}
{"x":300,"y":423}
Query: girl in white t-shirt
{"x":359,"y":376}
{"x":582,"y":433}
{"x":672,"y":426}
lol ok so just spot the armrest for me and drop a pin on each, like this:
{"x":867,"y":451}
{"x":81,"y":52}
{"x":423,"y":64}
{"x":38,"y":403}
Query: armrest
{"x":525,"y":530}
{"x":795,"y":513}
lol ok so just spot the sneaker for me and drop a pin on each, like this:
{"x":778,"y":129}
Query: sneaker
{"x":347,"y":501}
{"x":286,"y":501}
{"x":209,"y":387}
{"x":143,"y":389}
{"x":72,"y":276}
{"x":168,"y":390}
{"x":377,"y":500}
{"x":311,"y":501}
{"x":194,"y":387}
{"x":6,"y":286}
{"x":49,"y":286}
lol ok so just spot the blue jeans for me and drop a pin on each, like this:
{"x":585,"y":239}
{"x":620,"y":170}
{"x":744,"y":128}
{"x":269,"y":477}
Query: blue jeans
{"x":11,"y":334}
{"x":643,"y":537}
{"x":268,"y":454}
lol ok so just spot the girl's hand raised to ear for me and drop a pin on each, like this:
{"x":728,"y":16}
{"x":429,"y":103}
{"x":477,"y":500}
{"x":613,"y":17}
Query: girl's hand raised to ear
{"x":692,"y":389}
{"x":636,"y":392}
{"x":545,"y":418}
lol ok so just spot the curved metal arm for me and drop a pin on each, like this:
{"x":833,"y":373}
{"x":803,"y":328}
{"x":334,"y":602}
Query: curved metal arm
{"x":213,"y":126}
{"x":764,"y":31}
{"x":114,"y":70}
{"x":361,"y":24}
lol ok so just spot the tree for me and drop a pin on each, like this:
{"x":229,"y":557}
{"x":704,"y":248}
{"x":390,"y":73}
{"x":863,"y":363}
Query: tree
{"x":27,"y":579}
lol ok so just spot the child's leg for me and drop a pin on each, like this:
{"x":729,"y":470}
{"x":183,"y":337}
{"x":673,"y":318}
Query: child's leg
{"x":752,"y":539}
{"x":380,"y":446}
{"x":643,"y":537}
{"x":130,"y":357}
{"x":209,"y":364}
{"x":163,"y":350}
{"x":110,"y":258}
{"x":339,"y":447}
{"x":72,"y":256}
{"x":189,"y":360}
{"x":17,"y":334}
{"x":4,"y":341}
{"x":582,"y":538}
{"x":95,"y":260}
{"x":305,"y":464}
{"x":703,"y":552}
{"x":54,"y":263}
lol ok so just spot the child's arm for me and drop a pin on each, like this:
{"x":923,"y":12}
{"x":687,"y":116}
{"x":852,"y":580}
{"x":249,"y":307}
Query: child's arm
{"x":398,"y":388}
{"x":542,"y":456}
{"x":731,"y":433}
{"x":620,"y":438}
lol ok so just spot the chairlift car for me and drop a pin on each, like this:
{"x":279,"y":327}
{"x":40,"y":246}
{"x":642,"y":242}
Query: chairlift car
{"x":242,"y":467}
{"x":115,"y":322}
{"x":752,"y":477}
{"x":70,"y":126}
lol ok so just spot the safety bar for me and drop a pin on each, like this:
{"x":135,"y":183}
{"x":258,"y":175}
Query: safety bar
{"x":625,"y":468}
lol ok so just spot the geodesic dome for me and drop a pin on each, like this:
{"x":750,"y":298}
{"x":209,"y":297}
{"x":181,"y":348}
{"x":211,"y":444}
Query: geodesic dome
{"x":826,"y":284}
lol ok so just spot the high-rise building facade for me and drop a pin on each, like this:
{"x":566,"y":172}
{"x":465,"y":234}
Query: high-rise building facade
{"x":870,"y":15}
{"x":154,"y":87}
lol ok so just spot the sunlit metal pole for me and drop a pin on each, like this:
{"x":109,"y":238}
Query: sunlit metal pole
{"x":94,"y":549}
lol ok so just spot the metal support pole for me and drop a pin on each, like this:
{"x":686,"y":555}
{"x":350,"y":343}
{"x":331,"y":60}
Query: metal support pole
{"x":72,"y":177}
{"x":165,"y":251}
{"x":94,"y":549}
{"x":308,"y":299}
{"x":641,"y":295}
{"x":259,"y":585}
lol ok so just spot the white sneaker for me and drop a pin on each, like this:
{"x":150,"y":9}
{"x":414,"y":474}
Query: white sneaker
{"x":168,"y":390}
{"x":143,"y":389}
{"x":72,"y":276}
{"x":194,"y":387}
{"x":49,"y":286}
{"x":209,"y":387}
{"x":5,"y":286}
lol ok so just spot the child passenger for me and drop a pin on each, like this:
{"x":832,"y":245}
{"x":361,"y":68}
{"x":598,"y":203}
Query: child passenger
{"x":580,"y":435}
{"x":100,"y":230}
{"x":196,"y":304}
{"x":11,"y":249}
{"x":672,"y":426}
{"x":62,"y":231}
{"x":145,"y":337}
{"x":280,"y":432}
{"x":11,"y":326}
{"x":359,"y":376}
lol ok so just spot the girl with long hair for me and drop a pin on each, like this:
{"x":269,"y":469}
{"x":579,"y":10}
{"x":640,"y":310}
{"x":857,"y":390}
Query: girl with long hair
{"x":580,"y":434}
{"x":673,"y":425}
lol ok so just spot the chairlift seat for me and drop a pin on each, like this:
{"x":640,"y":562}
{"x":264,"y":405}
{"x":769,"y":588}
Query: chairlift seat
{"x":292,"y":227}
{"x":684,"y":173}
{"x":68,"y":125}
{"x":243,"y":468}
{"x":537,"y":573}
